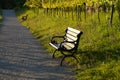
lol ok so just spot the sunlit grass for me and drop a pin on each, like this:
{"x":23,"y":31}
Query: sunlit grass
{"x":99,"y":45}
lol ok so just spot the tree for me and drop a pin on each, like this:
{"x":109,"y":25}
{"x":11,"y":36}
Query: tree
{"x":11,"y":3}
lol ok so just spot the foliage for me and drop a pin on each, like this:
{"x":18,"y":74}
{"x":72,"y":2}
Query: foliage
{"x":33,"y":3}
{"x":11,"y":3}
{"x":66,"y":3}
{"x":118,"y":7}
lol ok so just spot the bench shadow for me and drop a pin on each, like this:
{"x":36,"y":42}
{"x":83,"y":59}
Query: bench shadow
{"x":92,"y":58}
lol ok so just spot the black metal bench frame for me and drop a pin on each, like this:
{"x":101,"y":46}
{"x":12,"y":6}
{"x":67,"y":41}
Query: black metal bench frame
{"x":69,"y":44}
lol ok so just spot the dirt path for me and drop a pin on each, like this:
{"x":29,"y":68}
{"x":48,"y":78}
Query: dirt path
{"x":22,"y":57}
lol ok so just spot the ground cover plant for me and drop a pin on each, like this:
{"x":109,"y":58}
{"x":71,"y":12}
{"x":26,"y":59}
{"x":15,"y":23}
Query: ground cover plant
{"x":98,"y":52}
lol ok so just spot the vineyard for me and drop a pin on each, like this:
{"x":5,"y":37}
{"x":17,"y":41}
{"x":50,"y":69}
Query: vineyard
{"x":99,"y":52}
{"x":71,"y":8}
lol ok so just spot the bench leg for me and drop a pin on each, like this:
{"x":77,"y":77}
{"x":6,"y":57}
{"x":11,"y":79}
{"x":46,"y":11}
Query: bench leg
{"x":53,"y":56}
{"x":62,"y":60}
{"x":65,"y":56}
{"x":75,"y":58}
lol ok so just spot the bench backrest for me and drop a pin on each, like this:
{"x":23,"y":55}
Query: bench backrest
{"x":72,"y":35}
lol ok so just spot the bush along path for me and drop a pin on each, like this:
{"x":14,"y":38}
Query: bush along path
{"x":23,"y":58}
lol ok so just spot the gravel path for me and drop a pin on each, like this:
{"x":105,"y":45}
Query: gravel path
{"x":23,"y":58}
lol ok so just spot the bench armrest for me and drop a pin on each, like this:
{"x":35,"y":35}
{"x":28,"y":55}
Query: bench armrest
{"x":54,"y":37}
{"x":68,"y":42}
{"x":57,"y":37}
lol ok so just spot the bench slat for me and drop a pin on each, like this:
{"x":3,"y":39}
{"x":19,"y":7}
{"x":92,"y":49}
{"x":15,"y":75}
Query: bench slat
{"x":69,"y":45}
{"x":72,"y":33}
{"x":74,"y":30}
{"x":70,"y":38}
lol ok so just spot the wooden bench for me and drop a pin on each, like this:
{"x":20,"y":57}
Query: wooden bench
{"x":69,"y":43}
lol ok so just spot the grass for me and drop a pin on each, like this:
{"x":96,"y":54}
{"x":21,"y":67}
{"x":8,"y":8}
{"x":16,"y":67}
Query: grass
{"x":98,"y":52}
{"x":109,"y":71}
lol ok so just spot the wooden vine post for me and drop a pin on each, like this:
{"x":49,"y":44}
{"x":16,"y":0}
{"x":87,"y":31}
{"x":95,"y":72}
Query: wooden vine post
{"x":112,"y":12}
{"x":76,"y":11}
{"x":99,"y":13}
{"x":79,"y":12}
{"x":50,"y":8}
{"x":84,"y":5}
{"x":72,"y":13}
